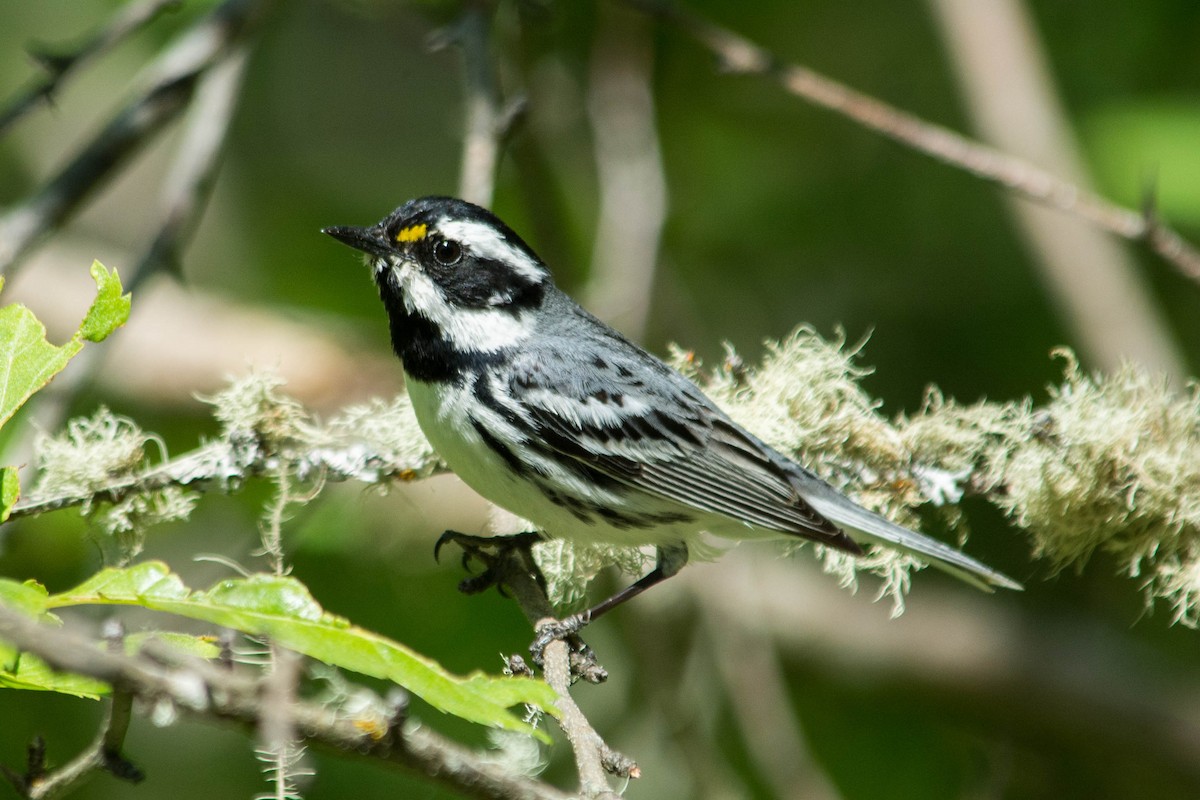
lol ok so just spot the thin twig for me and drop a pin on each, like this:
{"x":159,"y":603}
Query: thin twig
{"x":175,"y":76}
{"x":488,"y":120}
{"x":189,"y":186}
{"x":512,"y":568}
{"x":587,"y":745}
{"x":129,"y":19}
{"x":104,"y":753}
{"x":741,"y":56}
{"x":210,"y":692}
{"x":1009,"y":92}
{"x":190,"y":181}
{"x":278,"y":747}
{"x":633,"y":188}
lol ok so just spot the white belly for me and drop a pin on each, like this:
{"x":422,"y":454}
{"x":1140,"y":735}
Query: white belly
{"x":441,"y":410}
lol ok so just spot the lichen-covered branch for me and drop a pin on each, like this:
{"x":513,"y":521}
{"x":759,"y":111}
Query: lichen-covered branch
{"x":1108,"y":463}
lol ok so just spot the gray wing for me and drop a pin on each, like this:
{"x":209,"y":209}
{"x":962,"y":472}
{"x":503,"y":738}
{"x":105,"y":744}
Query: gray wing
{"x":625,"y":413}
{"x":637,"y":420}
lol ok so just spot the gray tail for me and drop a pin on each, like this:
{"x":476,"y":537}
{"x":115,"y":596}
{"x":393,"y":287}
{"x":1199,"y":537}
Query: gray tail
{"x":875,"y":528}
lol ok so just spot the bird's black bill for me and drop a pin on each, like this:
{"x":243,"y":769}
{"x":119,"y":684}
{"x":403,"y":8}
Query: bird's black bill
{"x":368,"y":240}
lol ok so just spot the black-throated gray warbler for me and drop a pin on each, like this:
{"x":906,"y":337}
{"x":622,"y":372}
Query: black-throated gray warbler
{"x":548,"y":412}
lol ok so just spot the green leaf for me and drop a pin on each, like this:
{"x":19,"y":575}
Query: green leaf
{"x":204,"y":647}
{"x":20,"y":670}
{"x":28,"y":361}
{"x":30,"y":597}
{"x":110,"y":309}
{"x":10,"y":491}
{"x":283,"y":609}
{"x":27,"y":671}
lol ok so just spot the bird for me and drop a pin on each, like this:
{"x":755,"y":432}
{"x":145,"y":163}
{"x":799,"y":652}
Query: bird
{"x":550,"y":413}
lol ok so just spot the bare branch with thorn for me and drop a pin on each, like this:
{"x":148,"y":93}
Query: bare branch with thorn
{"x":59,"y":66}
{"x":176,"y":74}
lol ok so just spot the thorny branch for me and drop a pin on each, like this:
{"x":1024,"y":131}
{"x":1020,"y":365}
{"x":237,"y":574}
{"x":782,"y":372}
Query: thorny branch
{"x":58,"y":66}
{"x":188,"y":188}
{"x":209,"y":692}
{"x":194,"y":172}
{"x":176,"y":74}
{"x":741,"y":56}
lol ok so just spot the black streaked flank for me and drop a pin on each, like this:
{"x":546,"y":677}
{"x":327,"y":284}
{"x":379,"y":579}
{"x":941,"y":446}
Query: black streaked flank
{"x":499,"y":448}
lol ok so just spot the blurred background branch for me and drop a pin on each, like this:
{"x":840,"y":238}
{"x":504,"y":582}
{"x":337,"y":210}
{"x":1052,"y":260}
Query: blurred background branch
{"x":741,"y":56}
{"x":207,"y":692}
{"x":1010,"y":93}
{"x":172,"y":80}
{"x":59,"y":63}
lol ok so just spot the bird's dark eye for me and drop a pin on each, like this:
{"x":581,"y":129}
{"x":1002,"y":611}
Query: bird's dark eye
{"x":447,"y":252}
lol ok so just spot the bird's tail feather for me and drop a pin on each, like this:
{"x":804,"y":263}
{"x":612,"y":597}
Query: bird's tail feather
{"x":883,"y":531}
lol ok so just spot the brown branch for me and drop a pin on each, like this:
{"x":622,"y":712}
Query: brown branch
{"x":511,"y":566}
{"x":586,"y":744}
{"x":741,"y":56}
{"x":104,"y":753}
{"x":194,"y":172}
{"x":633,"y":188}
{"x":209,"y":692}
{"x":487,"y":119}
{"x":176,"y":74}
{"x":58,"y":66}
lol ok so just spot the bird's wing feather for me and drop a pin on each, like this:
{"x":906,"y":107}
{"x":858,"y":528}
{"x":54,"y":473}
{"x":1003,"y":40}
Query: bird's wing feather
{"x":662,"y":437}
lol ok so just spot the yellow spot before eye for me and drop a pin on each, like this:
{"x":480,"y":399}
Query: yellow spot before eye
{"x":413,"y":233}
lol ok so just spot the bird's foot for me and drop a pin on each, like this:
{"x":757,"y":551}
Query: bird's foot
{"x":495,"y":553}
{"x":581,"y":658}
{"x":508,"y":563}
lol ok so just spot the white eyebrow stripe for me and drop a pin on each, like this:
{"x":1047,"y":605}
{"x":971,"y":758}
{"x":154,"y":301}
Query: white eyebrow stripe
{"x":486,"y":242}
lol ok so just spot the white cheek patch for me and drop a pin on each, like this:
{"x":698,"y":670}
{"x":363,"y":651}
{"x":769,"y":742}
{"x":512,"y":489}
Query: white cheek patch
{"x":481,"y":329}
{"x":483,"y":241}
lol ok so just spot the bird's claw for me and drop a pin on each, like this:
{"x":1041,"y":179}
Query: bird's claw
{"x":581,"y":658}
{"x":490,"y":551}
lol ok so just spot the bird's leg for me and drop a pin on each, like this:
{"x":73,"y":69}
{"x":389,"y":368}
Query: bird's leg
{"x":508,"y":564}
{"x":671,"y":559}
{"x":499,"y":555}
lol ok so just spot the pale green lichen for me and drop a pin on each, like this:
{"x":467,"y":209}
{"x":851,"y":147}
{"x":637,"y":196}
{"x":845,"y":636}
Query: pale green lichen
{"x":569,"y":567}
{"x":389,"y":429}
{"x":253,"y":404}
{"x":1109,"y":463}
{"x":517,"y":752}
{"x":805,"y":401}
{"x":1113,"y":463}
{"x":90,"y":454}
